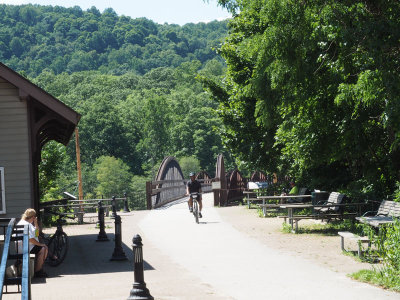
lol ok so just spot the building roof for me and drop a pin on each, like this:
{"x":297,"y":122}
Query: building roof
{"x":60,"y":126}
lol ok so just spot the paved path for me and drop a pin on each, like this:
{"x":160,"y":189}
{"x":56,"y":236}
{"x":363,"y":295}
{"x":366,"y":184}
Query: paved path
{"x":184,"y":260}
{"x":241,"y":267}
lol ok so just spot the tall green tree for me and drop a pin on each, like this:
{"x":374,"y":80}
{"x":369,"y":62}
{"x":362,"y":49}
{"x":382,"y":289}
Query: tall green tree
{"x":312,"y":90}
{"x":113,"y":176}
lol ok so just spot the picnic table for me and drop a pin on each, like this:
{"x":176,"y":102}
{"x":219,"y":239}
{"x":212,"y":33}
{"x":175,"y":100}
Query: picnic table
{"x":291,"y":217}
{"x":264,"y":206}
{"x":249,"y":197}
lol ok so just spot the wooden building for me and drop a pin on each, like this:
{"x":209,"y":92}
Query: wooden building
{"x":29,"y":118}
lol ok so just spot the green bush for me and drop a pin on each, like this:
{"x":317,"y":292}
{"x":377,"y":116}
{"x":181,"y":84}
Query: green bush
{"x":387,"y":247}
{"x":391,"y":249}
{"x":396,"y":195}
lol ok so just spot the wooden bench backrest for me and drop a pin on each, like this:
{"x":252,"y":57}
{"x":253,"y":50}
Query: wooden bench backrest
{"x":335,"y":198}
{"x":389,"y":208}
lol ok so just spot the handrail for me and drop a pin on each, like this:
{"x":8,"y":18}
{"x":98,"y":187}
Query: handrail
{"x":69,"y":203}
{"x":26,"y":278}
{"x":4,"y":257}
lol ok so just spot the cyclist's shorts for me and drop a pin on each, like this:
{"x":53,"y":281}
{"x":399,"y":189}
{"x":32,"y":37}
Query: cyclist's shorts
{"x":198,"y":198}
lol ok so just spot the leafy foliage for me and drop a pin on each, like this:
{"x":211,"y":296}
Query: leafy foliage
{"x":386,"y":243}
{"x":189,"y":164}
{"x":34,"y":38}
{"x":312,"y":91}
{"x":112,"y":175}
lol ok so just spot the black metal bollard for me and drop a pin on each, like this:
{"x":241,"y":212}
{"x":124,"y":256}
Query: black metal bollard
{"x":114,"y":209}
{"x":126,"y":208}
{"x":102,"y":233}
{"x":118,"y":253}
{"x":139,"y":290}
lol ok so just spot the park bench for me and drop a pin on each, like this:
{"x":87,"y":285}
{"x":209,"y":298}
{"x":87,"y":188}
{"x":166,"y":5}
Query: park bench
{"x":351,"y":236}
{"x":385,"y":213}
{"x":334,"y":198}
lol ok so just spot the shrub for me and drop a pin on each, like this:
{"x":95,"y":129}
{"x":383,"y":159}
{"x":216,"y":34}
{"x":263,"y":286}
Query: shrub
{"x":387,"y":243}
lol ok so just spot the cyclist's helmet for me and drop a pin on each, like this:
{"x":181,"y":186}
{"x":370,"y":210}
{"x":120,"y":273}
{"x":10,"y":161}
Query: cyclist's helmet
{"x":191,"y":174}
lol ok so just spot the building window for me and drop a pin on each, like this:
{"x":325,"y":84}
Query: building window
{"x":2,"y":192}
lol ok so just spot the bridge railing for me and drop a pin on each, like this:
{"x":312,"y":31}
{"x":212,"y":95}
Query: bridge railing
{"x":159,"y":193}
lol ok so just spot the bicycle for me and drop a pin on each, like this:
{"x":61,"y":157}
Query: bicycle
{"x":57,"y":243}
{"x":196,"y":211}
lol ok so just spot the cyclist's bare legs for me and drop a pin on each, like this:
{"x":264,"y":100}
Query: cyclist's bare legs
{"x":190,"y":203}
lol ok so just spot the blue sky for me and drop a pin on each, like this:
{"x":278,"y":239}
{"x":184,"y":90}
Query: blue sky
{"x":160,"y":11}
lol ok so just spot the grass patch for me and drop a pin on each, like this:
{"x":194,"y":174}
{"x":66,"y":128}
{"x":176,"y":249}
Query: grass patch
{"x":380,"y":277}
{"x":286,"y":228}
{"x":270,"y":213}
{"x":353,"y":254}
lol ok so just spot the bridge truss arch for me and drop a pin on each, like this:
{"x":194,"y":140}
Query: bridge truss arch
{"x":169,"y":184}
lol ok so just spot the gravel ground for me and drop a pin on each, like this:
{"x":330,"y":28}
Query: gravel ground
{"x":322,"y":249}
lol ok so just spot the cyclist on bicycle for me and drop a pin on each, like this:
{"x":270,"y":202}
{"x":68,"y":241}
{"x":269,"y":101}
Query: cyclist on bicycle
{"x":193,"y":186}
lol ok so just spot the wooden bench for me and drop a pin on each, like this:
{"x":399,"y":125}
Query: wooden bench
{"x":384,"y":215}
{"x":351,"y":236}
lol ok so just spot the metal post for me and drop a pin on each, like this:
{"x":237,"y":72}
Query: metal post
{"x":126,"y":208}
{"x":139,"y":290}
{"x":114,"y":209}
{"x":149,"y":186}
{"x":118,"y":253}
{"x":102,"y":234}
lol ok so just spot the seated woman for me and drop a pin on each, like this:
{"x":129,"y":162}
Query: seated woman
{"x":35,"y":247}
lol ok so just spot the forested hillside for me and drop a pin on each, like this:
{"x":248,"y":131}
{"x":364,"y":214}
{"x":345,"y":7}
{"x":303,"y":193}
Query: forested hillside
{"x":34,"y":38}
{"x":133,"y":82}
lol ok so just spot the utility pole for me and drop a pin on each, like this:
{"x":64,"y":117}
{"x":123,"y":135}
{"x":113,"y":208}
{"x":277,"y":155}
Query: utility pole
{"x":78,"y":166}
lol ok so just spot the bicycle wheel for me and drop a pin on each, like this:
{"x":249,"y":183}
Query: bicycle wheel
{"x":58,"y":248}
{"x":196,"y":211}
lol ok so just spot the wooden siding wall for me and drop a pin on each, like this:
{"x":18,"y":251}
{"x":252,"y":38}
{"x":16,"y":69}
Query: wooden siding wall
{"x":14,"y":150}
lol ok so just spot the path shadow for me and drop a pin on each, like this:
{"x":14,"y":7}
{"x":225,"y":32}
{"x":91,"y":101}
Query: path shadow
{"x":170,"y":204}
{"x":209,"y":223}
{"x":86,"y":256}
